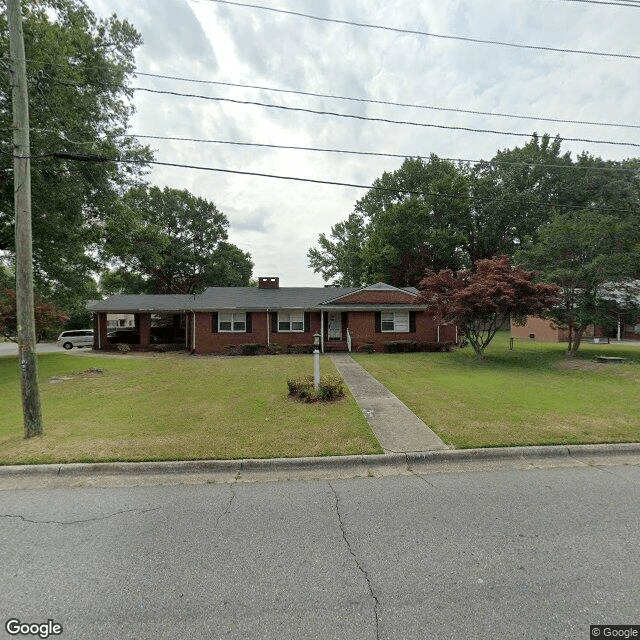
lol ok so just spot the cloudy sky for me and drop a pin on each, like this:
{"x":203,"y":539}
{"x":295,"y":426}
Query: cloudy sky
{"x":277,"y":221}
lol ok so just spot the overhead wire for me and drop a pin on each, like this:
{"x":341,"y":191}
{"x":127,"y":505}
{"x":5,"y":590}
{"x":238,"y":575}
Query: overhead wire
{"x":374,"y":119}
{"x":390,"y":102}
{"x":369,"y":100}
{"x":417,"y":32}
{"x":93,"y":158}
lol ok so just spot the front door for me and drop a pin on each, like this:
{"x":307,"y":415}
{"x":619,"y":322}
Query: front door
{"x":335,"y":326}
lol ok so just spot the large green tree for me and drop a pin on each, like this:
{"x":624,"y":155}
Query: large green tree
{"x":433,"y":214}
{"x":79,"y":68}
{"x":587,"y":254}
{"x":170,"y":241}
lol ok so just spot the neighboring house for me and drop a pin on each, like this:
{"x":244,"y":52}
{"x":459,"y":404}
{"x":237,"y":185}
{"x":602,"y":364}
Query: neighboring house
{"x":222,"y":317}
{"x":622,"y":295}
{"x":121,"y":321}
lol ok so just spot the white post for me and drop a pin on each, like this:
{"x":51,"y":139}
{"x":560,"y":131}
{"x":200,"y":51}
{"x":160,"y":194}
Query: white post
{"x":619,"y":331}
{"x":316,"y":362}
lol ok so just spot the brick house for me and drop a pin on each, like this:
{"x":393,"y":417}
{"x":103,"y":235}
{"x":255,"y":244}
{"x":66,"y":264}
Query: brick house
{"x":346,"y":318}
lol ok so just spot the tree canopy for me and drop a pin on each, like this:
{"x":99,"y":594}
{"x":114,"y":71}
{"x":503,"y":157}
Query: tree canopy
{"x":170,"y":241}
{"x":433,"y":214}
{"x":78,"y":68}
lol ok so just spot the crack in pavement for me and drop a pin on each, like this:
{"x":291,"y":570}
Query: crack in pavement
{"x":355,"y":558}
{"x":61,"y":522}
{"x":227,"y":510}
{"x":413,"y":473}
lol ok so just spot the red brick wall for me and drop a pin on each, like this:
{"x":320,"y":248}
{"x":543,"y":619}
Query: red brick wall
{"x":362,"y":326}
{"x":209,"y":342}
{"x":377,"y":297}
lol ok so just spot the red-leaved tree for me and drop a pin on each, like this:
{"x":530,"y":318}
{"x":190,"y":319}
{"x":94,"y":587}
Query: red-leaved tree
{"x":481,"y":300}
{"x":47,"y":315}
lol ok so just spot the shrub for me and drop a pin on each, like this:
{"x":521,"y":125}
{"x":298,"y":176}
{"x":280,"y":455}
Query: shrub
{"x":410,"y":346}
{"x":123,"y":347}
{"x":273,"y":349}
{"x":250,"y":349}
{"x":301,"y":348}
{"x":331,"y":388}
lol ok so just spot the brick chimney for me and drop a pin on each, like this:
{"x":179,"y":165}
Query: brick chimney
{"x":268,"y":283}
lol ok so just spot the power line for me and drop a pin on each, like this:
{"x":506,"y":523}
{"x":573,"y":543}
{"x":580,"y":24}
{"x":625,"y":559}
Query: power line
{"x":371,"y":118}
{"x":365,"y":100}
{"x":364,"y":153}
{"x":618,"y":3}
{"x":427,"y":33}
{"x":388,"y":102}
{"x":94,"y":159}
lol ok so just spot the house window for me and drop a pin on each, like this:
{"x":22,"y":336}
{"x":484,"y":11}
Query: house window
{"x":232,"y":322}
{"x":394,"y":321}
{"x":291,"y":321}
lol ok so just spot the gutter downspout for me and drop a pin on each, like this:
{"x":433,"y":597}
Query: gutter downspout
{"x":99,"y":335}
{"x":193,"y":332}
{"x":268,"y":330}
{"x":322,"y":330}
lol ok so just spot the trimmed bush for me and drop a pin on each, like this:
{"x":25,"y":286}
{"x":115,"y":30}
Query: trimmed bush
{"x":411,"y":346}
{"x":301,"y":348}
{"x":331,"y":388}
{"x":123,"y":347}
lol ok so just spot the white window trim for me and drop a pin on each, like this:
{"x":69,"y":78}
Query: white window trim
{"x":235,"y":317}
{"x":290,"y":321}
{"x":400,"y":324}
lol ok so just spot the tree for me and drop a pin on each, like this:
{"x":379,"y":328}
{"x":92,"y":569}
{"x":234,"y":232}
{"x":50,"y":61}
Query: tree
{"x":433,"y":214}
{"x":47,"y":315}
{"x":479,"y":301}
{"x":340,"y":259}
{"x":170,"y":241}
{"x":79,"y":70}
{"x":582,"y":252}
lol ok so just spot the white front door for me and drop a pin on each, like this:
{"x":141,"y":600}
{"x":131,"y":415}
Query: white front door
{"x":335,"y":326}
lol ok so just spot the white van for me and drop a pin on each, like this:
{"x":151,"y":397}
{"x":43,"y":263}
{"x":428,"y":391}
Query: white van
{"x":76,"y":338}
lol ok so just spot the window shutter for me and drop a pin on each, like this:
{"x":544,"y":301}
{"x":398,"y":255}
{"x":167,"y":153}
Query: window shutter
{"x":214,"y":322}
{"x":274,"y":322}
{"x":307,"y":321}
{"x":248,"y":329}
{"x":412,"y":321}
{"x":378,"y":322}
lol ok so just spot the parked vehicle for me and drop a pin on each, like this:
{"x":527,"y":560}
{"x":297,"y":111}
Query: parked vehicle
{"x":75,"y":338}
{"x":123,"y":336}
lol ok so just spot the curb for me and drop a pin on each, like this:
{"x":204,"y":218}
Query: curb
{"x":402,"y":460}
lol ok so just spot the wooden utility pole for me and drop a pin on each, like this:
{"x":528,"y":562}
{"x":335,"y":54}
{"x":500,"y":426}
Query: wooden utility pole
{"x":22,"y":198}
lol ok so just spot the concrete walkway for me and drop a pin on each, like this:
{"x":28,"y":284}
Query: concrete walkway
{"x":397,"y":428}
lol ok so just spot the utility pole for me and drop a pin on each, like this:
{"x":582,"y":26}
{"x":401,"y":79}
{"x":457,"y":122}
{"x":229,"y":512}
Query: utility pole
{"x":22,"y":199}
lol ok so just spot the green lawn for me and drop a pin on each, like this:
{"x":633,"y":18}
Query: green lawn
{"x":175,"y":406}
{"x":531,"y":395}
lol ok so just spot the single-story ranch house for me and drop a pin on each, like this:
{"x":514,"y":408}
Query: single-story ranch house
{"x":224,"y":317}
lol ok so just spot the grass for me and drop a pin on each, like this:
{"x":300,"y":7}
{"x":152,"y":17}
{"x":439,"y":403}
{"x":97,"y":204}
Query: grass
{"x":529,"y":396}
{"x":174,"y":406}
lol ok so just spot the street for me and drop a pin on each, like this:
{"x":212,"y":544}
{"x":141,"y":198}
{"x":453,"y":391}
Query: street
{"x":11,"y":348}
{"x":539,"y":553}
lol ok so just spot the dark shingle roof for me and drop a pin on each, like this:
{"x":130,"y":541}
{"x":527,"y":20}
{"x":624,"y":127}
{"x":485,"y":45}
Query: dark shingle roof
{"x":132,"y":304}
{"x":245,"y":298}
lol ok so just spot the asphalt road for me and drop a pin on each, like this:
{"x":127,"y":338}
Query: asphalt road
{"x":11,"y":348}
{"x":541,"y":553}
